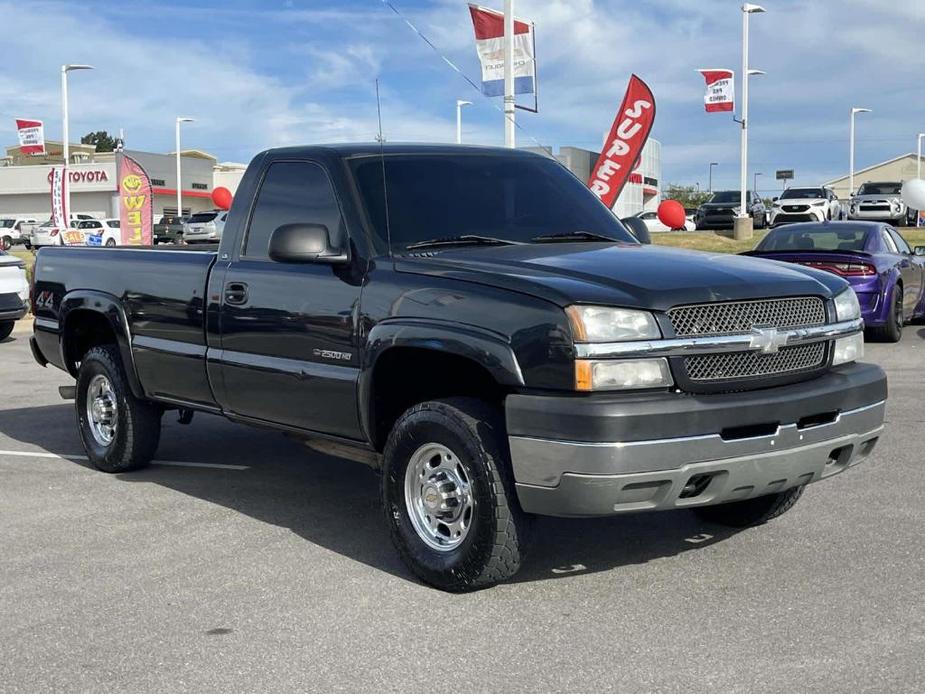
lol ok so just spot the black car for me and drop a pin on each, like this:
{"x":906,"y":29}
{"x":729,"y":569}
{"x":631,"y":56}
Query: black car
{"x":722,"y":209}
{"x":478,"y":326}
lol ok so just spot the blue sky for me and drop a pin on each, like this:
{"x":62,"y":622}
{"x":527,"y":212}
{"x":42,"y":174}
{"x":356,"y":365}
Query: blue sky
{"x":259,"y":74}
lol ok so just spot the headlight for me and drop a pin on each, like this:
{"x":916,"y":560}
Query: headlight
{"x":737,"y":210}
{"x":606,"y":324}
{"x":847,"y":306}
{"x":775,"y":205}
{"x":848,"y":349}
{"x":821,"y":203}
{"x":622,"y":374}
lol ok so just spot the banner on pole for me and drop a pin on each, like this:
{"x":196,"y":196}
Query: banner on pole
{"x":31,"y":136}
{"x":58,"y":183}
{"x":624,"y":144}
{"x":720,"y":94}
{"x":136,"y":208}
{"x":489,"y":43}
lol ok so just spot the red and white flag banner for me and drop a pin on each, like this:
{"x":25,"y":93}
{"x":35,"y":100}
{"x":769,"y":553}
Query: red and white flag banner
{"x":720,"y":94}
{"x":31,"y":136}
{"x":624,"y":144}
{"x":58,"y":189}
{"x":136,"y":205}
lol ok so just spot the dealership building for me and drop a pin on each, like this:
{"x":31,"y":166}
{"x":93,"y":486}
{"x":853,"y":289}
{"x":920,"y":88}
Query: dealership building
{"x":25,"y":180}
{"x":641,"y":192}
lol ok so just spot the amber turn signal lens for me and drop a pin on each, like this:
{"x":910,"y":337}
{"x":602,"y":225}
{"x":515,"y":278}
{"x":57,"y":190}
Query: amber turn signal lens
{"x":583,"y":375}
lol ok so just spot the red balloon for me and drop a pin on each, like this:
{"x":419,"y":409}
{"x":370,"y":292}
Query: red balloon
{"x":671,"y":214}
{"x":222,"y":198}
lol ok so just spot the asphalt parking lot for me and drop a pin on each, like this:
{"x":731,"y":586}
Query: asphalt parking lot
{"x":245,"y":562}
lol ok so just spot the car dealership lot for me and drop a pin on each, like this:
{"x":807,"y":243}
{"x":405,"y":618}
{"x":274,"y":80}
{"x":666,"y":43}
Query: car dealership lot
{"x":266,"y":566}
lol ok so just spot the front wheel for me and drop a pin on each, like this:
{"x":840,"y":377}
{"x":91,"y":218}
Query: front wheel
{"x":110,"y":243}
{"x":6,"y":243}
{"x":742,"y":514}
{"x":449,"y":496}
{"x":119,"y":431}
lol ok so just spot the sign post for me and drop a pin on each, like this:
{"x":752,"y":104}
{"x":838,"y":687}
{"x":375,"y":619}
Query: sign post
{"x":784,"y":175}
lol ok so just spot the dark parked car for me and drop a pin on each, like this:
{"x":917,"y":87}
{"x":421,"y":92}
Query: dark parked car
{"x":169,"y":229}
{"x":484,"y":331}
{"x":886,"y":274}
{"x":722,"y":209}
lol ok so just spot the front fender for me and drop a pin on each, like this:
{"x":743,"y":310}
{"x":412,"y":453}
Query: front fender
{"x":111,"y":308}
{"x":486,"y":348}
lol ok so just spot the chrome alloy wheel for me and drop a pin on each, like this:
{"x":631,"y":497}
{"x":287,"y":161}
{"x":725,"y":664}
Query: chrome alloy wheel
{"x":438,"y":497}
{"x":102,"y":410}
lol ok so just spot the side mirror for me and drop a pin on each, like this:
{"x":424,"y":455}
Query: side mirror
{"x":304,"y":243}
{"x":919,"y":250}
{"x":637,"y":228}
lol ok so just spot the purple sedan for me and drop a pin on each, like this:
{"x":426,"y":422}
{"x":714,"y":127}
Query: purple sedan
{"x":885,"y":273}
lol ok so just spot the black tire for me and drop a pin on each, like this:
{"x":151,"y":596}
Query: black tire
{"x":761,"y":509}
{"x":6,"y":327}
{"x":6,"y":243}
{"x":893,"y":330}
{"x":137,"y":422}
{"x":495,"y":543}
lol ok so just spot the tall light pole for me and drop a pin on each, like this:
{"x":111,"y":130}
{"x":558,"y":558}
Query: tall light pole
{"x":509,"y":108}
{"x":459,"y":105}
{"x":747,"y":10}
{"x":755,"y":186}
{"x":65,"y":134}
{"x":712,"y":164}
{"x":918,"y":159}
{"x":854,"y":112}
{"x":180,"y":119}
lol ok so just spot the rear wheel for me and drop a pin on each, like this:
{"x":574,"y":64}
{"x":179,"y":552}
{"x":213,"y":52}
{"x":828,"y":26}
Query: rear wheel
{"x":110,"y":242}
{"x":893,"y":330}
{"x":449,"y":497}
{"x":6,"y":327}
{"x":119,"y":431}
{"x":6,"y":243}
{"x":742,"y":514}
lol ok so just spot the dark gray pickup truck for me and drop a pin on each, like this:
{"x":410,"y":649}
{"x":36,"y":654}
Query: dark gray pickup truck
{"x":475,"y":323}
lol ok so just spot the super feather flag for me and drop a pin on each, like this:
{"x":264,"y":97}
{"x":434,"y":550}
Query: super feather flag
{"x":489,"y":43}
{"x":720,"y":95}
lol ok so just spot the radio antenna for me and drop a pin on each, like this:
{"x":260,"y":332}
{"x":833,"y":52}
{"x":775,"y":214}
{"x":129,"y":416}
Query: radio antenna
{"x":385,"y":187}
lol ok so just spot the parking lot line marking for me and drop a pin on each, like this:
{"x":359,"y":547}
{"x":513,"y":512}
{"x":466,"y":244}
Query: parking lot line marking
{"x":75,"y":456}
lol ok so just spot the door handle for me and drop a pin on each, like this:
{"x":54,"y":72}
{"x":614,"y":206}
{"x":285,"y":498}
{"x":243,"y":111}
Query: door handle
{"x":236,"y":293}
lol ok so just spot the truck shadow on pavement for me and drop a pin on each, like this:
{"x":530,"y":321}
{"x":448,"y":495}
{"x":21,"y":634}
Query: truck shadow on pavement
{"x":335,"y":503}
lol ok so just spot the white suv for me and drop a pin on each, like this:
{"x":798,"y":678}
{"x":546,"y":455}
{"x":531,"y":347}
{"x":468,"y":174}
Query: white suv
{"x":205,"y":227}
{"x":806,"y":205}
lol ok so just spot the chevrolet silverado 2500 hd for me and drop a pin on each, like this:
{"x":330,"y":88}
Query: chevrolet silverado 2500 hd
{"x":477,"y":324}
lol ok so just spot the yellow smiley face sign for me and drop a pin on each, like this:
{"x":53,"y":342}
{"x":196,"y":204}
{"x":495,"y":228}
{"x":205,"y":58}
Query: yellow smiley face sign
{"x":132,"y":183}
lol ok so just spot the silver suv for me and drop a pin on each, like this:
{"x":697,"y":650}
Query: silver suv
{"x":205,"y":227}
{"x":880,"y":202}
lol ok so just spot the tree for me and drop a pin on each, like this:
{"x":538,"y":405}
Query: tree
{"x":103,"y":140}
{"x":688,"y":196}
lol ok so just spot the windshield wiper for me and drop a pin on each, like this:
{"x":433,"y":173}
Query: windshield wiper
{"x":463,"y":240}
{"x":573,"y":236}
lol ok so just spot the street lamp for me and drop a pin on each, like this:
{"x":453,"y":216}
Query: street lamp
{"x":712,"y":164}
{"x":918,"y":160}
{"x":755,"y":187}
{"x":66,"y":150}
{"x":854,"y":111}
{"x":747,"y":9}
{"x":459,"y":104}
{"x":180,"y":119}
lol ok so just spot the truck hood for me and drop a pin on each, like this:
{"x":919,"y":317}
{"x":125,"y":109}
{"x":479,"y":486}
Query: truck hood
{"x":798,"y":201}
{"x":635,"y":276}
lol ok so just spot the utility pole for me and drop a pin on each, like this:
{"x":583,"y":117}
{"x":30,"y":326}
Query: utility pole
{"x":854,"y":112}
{"x":509,"y":108}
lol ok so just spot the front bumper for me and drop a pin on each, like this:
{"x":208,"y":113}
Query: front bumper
{"x":13,"y":314}
{"x":604,"y":455}
{"x":813,"y":214}
{"x":884,"y":215}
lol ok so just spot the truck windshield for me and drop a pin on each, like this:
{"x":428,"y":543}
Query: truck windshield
{"x":514,"y":199}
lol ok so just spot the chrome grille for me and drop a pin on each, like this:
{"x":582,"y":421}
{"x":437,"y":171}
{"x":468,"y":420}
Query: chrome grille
{"x":732,"y":365}
{"x":736,"y":317}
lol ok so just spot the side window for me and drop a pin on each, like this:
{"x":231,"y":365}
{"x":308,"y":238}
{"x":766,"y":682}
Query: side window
{"x":292,"y":192}
{"x":888,"y":242}
{"x":900,"y":241}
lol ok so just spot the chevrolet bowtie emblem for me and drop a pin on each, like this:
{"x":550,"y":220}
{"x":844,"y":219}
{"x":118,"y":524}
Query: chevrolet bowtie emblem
{"x":767,"y":340}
